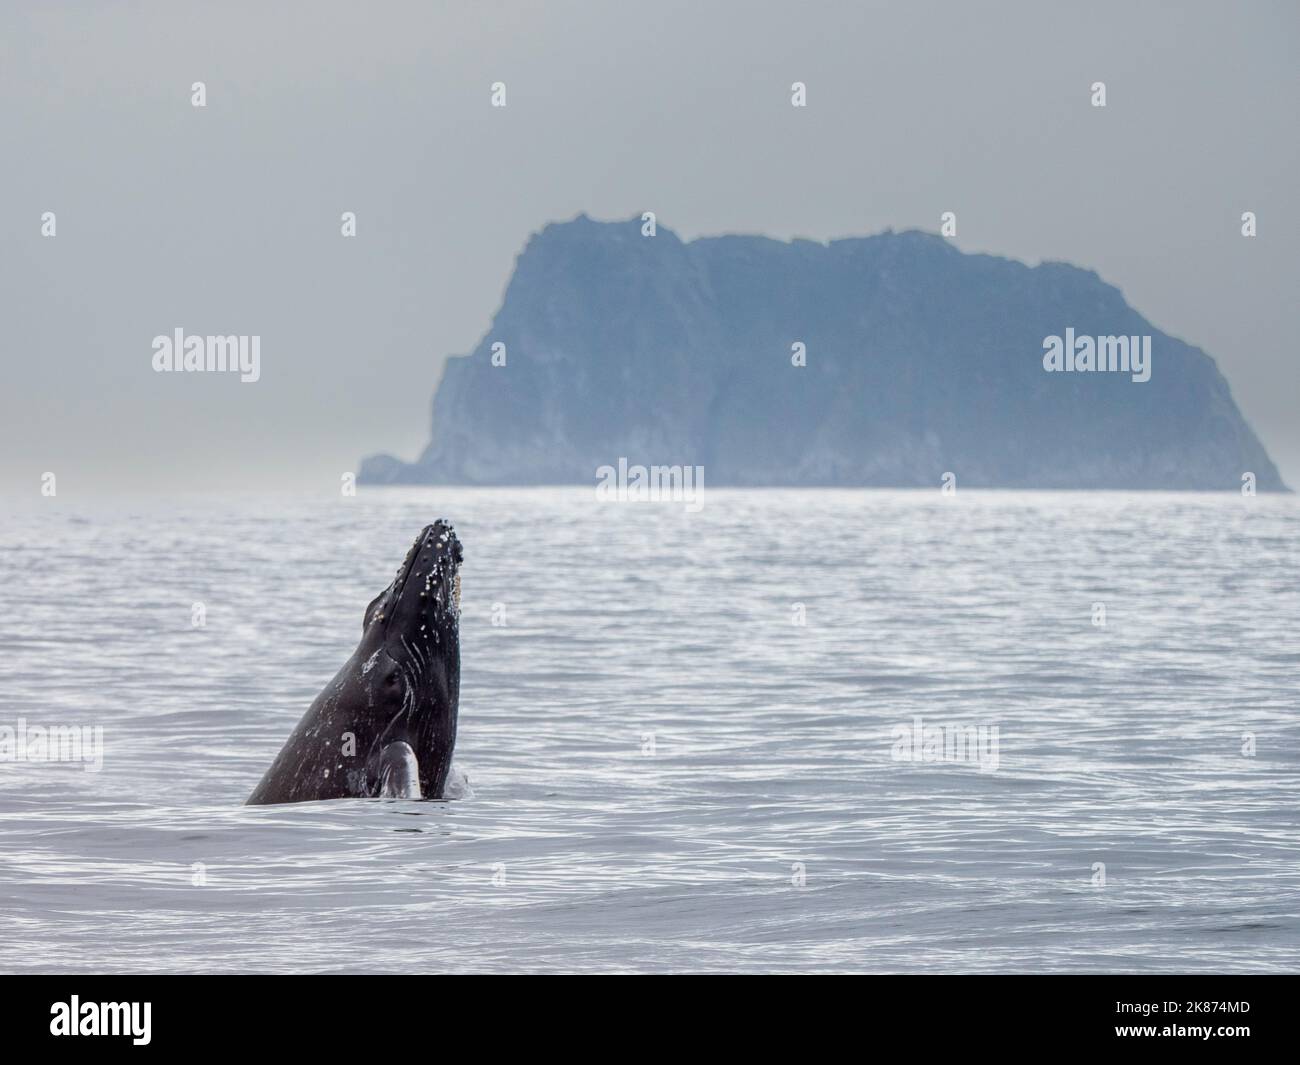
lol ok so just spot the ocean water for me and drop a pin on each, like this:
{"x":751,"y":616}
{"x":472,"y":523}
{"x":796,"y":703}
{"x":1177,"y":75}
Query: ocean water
{"x":668,"y":770}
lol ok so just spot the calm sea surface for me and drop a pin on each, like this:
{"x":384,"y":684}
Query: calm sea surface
{"x":668,"y":770}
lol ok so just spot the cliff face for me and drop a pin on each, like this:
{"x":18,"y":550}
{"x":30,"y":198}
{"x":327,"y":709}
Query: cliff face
{"x":920,"y":360}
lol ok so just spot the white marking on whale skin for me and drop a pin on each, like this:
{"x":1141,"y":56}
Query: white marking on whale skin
{"x":369,"y":663}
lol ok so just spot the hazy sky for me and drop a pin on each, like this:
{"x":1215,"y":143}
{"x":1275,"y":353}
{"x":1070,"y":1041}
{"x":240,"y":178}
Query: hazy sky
{"x":226,"y":219}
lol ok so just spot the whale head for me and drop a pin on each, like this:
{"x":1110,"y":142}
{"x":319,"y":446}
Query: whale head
{"x":409,"y":668}
{"x":423,"y":601}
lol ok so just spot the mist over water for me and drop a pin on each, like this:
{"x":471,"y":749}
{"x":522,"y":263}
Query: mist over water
{"x":658,"y":752}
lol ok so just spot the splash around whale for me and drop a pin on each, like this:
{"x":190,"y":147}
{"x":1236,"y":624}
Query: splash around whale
{"x":385,"y":726}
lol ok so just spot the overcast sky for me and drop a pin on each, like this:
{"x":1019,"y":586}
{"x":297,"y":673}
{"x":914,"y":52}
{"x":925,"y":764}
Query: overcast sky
{"x":225,"y":219}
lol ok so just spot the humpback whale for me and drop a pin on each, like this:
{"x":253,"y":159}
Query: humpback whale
{"x":386,"y":724}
